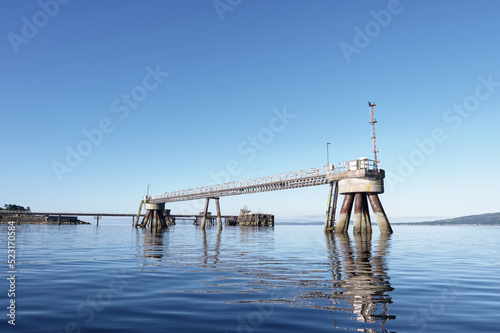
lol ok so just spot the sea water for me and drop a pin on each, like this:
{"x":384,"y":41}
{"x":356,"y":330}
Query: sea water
{"x":115,"y":278}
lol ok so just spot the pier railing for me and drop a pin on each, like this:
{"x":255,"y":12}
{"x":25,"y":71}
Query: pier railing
{"x":288,"y":180}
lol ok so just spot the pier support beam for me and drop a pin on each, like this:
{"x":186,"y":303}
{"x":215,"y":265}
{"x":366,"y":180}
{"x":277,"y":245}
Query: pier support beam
{"x":358,"y":213}
{"x":205,"y":212}
{"x":154,"y":217}
{"x":361,"y":190}
{"x":138,"y":215}
{"x":362,"y":224}
{"x":219,"y":218}
{"x":331,"y":207}
{"x":345,"y":214}
{"x":380,"y":216}
{"x":366,"y":224}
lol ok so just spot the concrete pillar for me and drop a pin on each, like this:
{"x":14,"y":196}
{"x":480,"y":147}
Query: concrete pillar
{"x":358,"y":213}
{"x":378,"y":210}
{"x":345,"y":214}
{"x":145,"y":219}
{"x":154,"y":217}
{"x":154,"y":225}
{"x":219,"y":218}
{"x":366,"y":224}
{"x":204,"y":218}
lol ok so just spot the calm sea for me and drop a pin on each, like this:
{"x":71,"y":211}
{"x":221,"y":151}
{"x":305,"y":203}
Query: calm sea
{"x":114,"y":278}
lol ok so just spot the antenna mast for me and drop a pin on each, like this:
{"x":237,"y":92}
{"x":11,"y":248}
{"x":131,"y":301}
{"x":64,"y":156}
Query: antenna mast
{"x":374,"y":141}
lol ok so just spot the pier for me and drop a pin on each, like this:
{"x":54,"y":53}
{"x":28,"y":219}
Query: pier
{"x":359,"y":181}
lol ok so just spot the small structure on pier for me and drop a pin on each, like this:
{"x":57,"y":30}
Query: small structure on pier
{"x":210,"y":219}
{"x":246,"y":218}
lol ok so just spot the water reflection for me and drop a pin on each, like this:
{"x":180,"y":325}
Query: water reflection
{"x":360,"y":282}
{"x":205,"y":249}
{"x":350,"y":280}
{"x":153,"y":244}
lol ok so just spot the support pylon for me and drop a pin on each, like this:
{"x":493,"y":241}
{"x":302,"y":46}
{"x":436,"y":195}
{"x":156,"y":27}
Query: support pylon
{"x":219,"y":218}
{"x":154,"y":217}
{"x":331,"y":206}
{"x":380,"y":216}
{"x":205,"y":212}
{"x":345,"y":214}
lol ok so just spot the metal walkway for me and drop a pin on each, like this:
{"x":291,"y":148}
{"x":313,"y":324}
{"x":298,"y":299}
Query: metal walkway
{"x":284,"y":181}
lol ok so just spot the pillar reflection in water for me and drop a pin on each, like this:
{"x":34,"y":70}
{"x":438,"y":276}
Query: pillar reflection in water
{"x":206,"y":256}
{"x":360,"y":282}
{"x":153,"y":244}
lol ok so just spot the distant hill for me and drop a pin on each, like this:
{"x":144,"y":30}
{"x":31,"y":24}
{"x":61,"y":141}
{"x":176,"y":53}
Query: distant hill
{"x":481,"y":219}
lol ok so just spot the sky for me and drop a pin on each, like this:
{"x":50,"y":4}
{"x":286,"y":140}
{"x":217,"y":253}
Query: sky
{"x":100,"y":99}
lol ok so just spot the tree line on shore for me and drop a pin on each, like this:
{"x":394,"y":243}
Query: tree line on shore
{"x":15,"y":207}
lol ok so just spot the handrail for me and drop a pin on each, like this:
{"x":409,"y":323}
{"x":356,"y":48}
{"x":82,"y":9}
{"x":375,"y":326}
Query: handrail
{"x":306,"y":174}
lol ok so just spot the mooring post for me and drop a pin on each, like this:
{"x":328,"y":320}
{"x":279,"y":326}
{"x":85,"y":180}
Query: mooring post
{"x":204,"y":217}
{"x":219,"y":218}
{"x":380,"y":216}
{"x":345,"y":214}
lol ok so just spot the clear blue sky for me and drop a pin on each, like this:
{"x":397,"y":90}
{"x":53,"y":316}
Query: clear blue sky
{"x":167,"y":93}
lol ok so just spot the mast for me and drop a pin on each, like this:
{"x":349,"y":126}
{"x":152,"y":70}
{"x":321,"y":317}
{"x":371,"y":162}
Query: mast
{"x":374,"y":141}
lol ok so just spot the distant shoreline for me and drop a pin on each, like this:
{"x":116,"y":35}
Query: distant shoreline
{"x":39,"y":220}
